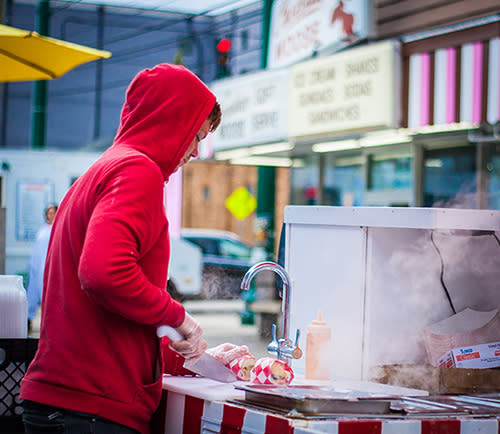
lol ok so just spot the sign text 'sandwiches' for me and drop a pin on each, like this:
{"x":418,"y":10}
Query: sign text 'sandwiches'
{"x":346,"y":91}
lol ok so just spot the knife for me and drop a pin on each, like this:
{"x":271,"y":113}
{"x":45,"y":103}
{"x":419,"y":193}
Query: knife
{"x":206,"y":365}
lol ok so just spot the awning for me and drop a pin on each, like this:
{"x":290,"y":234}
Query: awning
{"x":25,"y":55}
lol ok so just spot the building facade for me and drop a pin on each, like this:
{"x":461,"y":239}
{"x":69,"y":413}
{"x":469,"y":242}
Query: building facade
{"x":406,"y":114}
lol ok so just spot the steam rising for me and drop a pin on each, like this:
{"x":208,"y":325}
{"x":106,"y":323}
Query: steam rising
{"x":408,"y":294}
{"x":219,"y":284}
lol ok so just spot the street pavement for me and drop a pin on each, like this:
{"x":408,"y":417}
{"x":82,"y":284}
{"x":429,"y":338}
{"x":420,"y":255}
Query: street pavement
{"x":221,"y":323}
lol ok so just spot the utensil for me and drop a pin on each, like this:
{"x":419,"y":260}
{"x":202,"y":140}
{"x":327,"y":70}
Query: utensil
{"x":206,"y":365}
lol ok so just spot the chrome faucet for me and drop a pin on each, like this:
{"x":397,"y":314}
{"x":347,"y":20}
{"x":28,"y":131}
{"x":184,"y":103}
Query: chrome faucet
{"x":282,"y":347}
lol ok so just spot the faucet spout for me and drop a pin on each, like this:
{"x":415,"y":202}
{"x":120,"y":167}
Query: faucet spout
{"x":285,"y":349}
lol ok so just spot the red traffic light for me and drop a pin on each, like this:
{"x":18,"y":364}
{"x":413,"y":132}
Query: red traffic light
{"x":224,"y":45}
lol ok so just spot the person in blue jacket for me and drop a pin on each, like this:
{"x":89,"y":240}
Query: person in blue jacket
{"x":37,"y":264}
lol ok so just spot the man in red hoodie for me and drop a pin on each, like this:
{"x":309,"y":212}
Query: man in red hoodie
{"x":99,"y":363}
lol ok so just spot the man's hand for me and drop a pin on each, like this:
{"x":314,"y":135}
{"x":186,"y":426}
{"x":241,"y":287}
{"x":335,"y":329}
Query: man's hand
{"x":226,"y":353}
{"x":193,"y":345}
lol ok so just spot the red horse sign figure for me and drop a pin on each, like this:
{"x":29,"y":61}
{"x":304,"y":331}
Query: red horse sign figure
{"x":347,"y":19}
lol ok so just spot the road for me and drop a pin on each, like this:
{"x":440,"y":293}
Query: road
{"x":220,"y":320}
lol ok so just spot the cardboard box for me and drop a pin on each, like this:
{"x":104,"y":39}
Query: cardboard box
{"x":474,"y":357}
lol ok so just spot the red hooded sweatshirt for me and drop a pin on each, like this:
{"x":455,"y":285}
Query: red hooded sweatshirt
{"x":106,"y":270}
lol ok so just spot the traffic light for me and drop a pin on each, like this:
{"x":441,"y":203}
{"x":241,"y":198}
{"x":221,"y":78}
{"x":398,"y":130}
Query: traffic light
{"x":223,"y":47}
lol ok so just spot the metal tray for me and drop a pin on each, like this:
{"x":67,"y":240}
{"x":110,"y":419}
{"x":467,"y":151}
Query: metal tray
{"x":456,"y":404}
{"x":317,"y":399}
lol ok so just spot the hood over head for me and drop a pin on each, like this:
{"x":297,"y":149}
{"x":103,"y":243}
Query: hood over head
{"x":165,"y":107}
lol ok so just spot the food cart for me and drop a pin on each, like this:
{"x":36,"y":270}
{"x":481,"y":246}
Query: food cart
{"x":380,"y":277}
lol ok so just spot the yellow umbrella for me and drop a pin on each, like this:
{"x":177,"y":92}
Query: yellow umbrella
{"x":26,"y":55}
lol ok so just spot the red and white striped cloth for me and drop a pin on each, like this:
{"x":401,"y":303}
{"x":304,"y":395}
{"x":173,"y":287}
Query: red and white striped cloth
{"x":188,"y":415}
{"x":266,"y":371}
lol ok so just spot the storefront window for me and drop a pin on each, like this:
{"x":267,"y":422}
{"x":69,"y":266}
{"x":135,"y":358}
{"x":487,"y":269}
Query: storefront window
{"x":304,"y":181}
{"x":390,"y":172}
{"x":493,"y":170}
{"x":344,"y":181}
{"x":450,"y":178}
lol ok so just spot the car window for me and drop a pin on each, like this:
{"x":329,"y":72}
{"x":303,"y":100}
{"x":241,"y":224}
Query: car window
{"x":234,"y":249}
{"x":208,"y":246}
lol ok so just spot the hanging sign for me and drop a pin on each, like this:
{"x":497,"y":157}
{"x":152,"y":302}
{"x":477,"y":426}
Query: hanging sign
{"x":299,"y":28}
{"x":254,"y":109}
{"x":348,"y":91}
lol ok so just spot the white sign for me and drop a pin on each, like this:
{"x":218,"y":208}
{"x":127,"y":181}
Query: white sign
{"x":301,"y":27}
{"x":254,"y":109}
{"x":352,"y":90}
{"x":32,"y":198}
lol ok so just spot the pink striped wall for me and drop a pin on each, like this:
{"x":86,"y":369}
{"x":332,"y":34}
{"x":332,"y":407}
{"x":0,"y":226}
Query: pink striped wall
{"x":477,"y":71}
{"x":445,"y":85}
{"x":451,"y":59}
{"x":425,"y":68}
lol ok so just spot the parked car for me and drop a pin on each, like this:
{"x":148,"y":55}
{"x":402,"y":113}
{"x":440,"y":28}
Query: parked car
{"x":226,"y":259}
{"x":185,"y":270}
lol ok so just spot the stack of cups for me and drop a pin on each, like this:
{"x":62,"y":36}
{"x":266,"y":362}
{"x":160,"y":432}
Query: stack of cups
{"x":13,"y":307}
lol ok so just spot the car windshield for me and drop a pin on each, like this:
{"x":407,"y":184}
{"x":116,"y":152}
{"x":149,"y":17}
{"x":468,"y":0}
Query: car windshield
{"x":208,"y":246}
{"x":222,"y":247}
{"x":234,"y":249}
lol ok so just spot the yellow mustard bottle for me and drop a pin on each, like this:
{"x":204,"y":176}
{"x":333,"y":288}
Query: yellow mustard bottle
{"x":318,"y":350}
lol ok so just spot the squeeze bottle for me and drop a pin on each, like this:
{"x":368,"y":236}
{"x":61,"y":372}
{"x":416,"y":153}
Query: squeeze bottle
{"x":318,"y":350}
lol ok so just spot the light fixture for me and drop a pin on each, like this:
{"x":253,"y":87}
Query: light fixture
{"x":433,"y":162}
{"x":339,"y":145}
{"x":271,"y":147}
{"x":442,"y":128}
{"x":232,"y":153}
{"x":263,"y":161}
{"x":298,"y":162}
{"x":383,"y":138}
{"x":268,"y":148}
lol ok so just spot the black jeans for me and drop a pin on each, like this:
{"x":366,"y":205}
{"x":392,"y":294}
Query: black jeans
{"x":44,"y":419}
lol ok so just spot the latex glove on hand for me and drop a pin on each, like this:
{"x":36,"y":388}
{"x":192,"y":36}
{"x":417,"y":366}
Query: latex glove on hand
{"x":226,"y":353}
{"x":193,"y":345}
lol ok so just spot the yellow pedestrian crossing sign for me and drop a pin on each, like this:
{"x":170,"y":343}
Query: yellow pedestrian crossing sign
{"x":241,"y":203}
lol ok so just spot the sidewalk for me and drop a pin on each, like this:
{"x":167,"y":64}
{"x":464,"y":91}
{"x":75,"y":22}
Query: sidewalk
{"x":214,"y":306}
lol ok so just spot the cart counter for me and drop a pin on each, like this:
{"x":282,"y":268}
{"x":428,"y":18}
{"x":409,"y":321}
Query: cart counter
{"x":199,"y":405}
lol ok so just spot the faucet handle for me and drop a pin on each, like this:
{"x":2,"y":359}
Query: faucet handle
{"x":297,"y":352}
{"x":273,"y":346}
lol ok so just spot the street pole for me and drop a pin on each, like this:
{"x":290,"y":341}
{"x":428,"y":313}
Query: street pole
{"x":39,"y":115}
{"x":266,"y":175}
{"x":266,"y":29}
{"x":265,"y":190}
{"x":99,"y":70}
{"x":5,"y":89}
